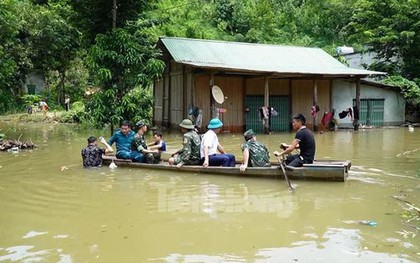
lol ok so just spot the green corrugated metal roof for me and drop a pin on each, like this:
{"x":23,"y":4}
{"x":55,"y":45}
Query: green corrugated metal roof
{"x":260,"y":58}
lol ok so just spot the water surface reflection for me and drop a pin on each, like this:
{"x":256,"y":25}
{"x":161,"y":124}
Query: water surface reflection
{"x":53,"y":210}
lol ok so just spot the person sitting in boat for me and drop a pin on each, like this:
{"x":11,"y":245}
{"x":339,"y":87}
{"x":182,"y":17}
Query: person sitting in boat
{"x":190,"y":152}
{"x":158,"y":142}
{"x":255,"y":153}
{"x":92,"y":154}
{"x":211,"y":152}
{"x":124,"y":138}
{"x":304,"y":140}
{"x":140,"y":145}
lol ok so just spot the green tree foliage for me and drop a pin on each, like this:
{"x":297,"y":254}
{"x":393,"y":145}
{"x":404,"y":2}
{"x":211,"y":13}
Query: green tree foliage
{"x":323,"y":21}
{"x":76,"y":80}
{"x":103,"y":108}
{"x":34,"y":37}
{"x":391,"y":29}
{"x":249,"y":21}
{"x":13,"y":54}
{"x":54,"y":41}
{"x":8,"y":31}
{"x":409,"y":89}
{"x":30,"y":99}
{"x":94,"y":17}
{"x":66,"y":38}
{"x":77,"y":114}
{"x":182,"y":18}
{"x":307,"y":23}
{"x":122,"y":59}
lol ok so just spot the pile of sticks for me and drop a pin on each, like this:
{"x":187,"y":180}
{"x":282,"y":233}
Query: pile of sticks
{"x":16,"y":145}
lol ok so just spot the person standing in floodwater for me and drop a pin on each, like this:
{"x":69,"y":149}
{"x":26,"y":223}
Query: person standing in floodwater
{"x":92,"y":154}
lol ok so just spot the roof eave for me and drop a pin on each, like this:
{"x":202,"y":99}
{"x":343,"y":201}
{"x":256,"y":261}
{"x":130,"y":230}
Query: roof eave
{"x":284,"y":73}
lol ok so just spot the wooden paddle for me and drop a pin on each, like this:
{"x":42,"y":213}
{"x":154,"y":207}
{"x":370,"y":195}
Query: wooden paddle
{"x":284,"y":173}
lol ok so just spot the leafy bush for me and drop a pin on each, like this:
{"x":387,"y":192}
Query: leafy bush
{"x":7,"y":102}
{"x":138,"y":104}
{"x":409,"y":89}
{"x":103,"y":108}
{"x":76,"y":114}
{"x":31,"y":99}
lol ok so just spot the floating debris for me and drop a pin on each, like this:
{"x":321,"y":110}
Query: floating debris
{"x":361,"y":222}
{"x":406,"y":234}
{"x":368,"y":222}
{"x":112,"y":165}
{"x":410,"y":128}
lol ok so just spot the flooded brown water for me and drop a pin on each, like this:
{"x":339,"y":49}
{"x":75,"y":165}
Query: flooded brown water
{"x":53,"y":210}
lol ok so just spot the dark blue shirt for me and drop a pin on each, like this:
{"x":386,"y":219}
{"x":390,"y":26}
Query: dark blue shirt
{"x":162,"y":147}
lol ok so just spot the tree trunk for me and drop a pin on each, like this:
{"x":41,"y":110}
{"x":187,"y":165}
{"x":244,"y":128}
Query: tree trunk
{"x":114,"y":25}
{"x":47,"y":84}
{"x":114,"y":14}
{"x":60,"y":91}
{"x":111,"y":127}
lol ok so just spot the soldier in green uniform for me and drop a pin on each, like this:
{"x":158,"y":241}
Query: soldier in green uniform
{"x":190,"y":152}
{"x":255,"y":153}
{"x":140,"y":144}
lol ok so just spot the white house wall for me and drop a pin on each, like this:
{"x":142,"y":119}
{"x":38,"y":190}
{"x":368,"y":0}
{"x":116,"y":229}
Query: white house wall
{"x":363,"y":60}
{"x":360,"y":60}
{"x":36,"y":79}
{"x":394,"y":104}
{"x":344,"y":92}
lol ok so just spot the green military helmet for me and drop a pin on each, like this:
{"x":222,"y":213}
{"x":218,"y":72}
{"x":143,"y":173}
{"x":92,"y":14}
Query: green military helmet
{"x":140,"y":124}
{"x":248,"y":134}
{"x":186,"y":124}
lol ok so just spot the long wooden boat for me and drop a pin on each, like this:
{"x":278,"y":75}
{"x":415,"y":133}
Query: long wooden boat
{"x":319,"y":170}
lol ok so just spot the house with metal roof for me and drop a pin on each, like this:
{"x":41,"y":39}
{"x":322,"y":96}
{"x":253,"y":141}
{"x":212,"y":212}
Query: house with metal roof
{"x":250,"y":85}
{"x":34,"y":83}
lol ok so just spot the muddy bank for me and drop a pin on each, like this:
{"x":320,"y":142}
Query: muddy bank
{"x":50,"y":117}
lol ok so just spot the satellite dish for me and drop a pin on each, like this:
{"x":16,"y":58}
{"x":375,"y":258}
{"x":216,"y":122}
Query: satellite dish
{"x":217,"y":94}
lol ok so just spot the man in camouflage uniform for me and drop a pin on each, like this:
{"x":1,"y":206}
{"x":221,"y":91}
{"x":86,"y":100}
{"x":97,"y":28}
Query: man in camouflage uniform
{"x":140,"y":145}
{"x":190,"y":152}
{"x":255,"y":153}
